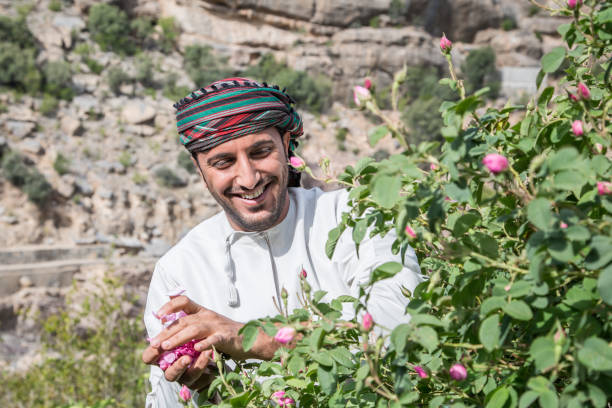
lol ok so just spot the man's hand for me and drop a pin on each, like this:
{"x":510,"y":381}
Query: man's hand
{"x":198,"y":376}
{"x":212,"y":329}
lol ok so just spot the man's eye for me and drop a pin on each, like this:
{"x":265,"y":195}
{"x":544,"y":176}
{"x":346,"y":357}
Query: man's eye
{"x":221,"y":164}
{"x":262,"y":152}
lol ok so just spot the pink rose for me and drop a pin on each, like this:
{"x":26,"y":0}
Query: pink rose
{"x":367,"y":322}
{"x":367,"y":84}
{"x":303,"y":273}
{"x":297,"y":163}
{"x":583,"y":91}
{"x":433,"y":166}
{"x":361,"y":95}
{"x":185,"y":394}
{"x":573,"y":3}
{"x":281,"y":400}
{"x":573,"y":97}
{"x":577,"y":128}
{"x":604,"y":187}
{"x":458,"y":372}
{"x":284,"y":335}
{"x":563,"y":225}
{"x":410,"y":232}
{"x":445,"y":45}
{"x":496,"y":163}
{"x":419,"y":370}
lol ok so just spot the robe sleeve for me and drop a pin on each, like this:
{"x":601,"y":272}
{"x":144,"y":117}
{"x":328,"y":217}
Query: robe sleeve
{"x":164,"y":394}
{"x":386,"y":304}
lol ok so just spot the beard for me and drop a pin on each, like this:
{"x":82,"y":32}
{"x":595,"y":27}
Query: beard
{"x":252,"y":220}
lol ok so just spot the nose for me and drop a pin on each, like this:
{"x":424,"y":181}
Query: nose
{"x":248,"y":176}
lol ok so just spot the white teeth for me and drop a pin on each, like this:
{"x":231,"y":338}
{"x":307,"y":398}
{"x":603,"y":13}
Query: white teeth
{"x":254,"y":194}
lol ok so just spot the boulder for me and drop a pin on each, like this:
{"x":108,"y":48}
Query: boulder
{"x":19,"y":128}
{"x":70,"y":125}
{"x":136,"y":112}
{"x":31,"y":146}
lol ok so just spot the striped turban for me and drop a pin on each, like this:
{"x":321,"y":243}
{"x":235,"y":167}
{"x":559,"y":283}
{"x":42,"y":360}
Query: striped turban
{"x":234,"y":107}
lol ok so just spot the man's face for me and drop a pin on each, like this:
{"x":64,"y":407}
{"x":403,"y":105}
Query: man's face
{"x":248,"y":177}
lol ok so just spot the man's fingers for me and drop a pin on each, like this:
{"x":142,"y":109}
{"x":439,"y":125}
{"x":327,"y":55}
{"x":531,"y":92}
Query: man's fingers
{"x":179,"y":303}
{"x":208,"y":342}
{"x":150,"y":355}
{"x":169,"y":332}
{"x":199,"y":368}
{"x":181,"y":337}
{"x":177,"y":368}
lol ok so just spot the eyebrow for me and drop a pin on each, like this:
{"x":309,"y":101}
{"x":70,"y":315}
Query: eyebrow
{"x":256,"y":145}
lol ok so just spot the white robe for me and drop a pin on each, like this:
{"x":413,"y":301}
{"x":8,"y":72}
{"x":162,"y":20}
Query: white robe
{"x":213,"y":262}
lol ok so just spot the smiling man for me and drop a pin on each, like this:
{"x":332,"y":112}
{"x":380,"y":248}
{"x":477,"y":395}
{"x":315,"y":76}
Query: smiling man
{"x":234,"y":265}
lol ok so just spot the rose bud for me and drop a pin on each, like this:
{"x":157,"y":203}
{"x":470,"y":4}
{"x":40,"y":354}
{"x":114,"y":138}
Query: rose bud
{"x":458,"y":372}
{"x":495,"y":163}
{"x":284,"y":335}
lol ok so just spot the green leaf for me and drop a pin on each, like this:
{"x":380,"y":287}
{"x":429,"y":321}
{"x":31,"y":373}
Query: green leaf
{"x":528,"y":398}
{"x":384,"y":271}
{"x":549,"y":399}
{"x":327,"y":380}
{"x":498,"y":398}
{"x":323,"y":357}
{"x":458,"y":193}
{"x":596,"y":354}
{"x":601,"y":252}
{"x":426,"y":337}
{"x":539,"y":214}
{"x":242,"y":399}
{"x":518,"y":310}
{"x":249,"y":335}
{"x":604,"y":285}
{"x":332,"y":240}
{"x":363,"y":164}
{"x":343,"y":356}
{"x":569,"y":180}
{"x":377,"y":133}
{"x":295,"y":364}
{"x":385,"y":190}
{"x":465,"y":222}
{"x":552,"y":60}
{"x":542,"y":351}
{"x":577,"y":233}
{"x":425,"y":319}
{"x":605,"y":16}
{"x":360,"y":229}
{"x":437,"y":401}
{"x":489,"y":332}
{"x":491,"y":304}
{"x":544,"y":98}
{"x":565,"y":158}
{"x":297,"y":383}
{"x":540,"y":78}
{"x":399,"y":336}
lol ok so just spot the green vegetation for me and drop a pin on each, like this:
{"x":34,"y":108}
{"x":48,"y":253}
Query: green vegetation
{"x":508,"y":23}
{"x":311,"y":93}
{"x":125,"y":158}
{"x":375,"y":22}
{"x":171,"y":90}
{"x":479,"y":71}
{"x":424,"y":120}
{"x":26,"y":177}
{"x":139,"y":179}
{"x":341,"y":138}
{"x":109,"y":26}
{"x":55,"y":5}
{"x":167,"y":178}
{"x":144,"y":70}
{"x":184,"y":161}
{"x":61,"y":164}
{"x":170,"y":33}
{"x":91,"y":356}
{"x":58,"y":79}
{"x":117,"y":77}
{"x":18,"y":68}
{"x":203,"y":66}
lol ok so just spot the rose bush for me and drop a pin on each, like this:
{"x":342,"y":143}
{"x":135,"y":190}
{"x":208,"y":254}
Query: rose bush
{"x":511,"y":220}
